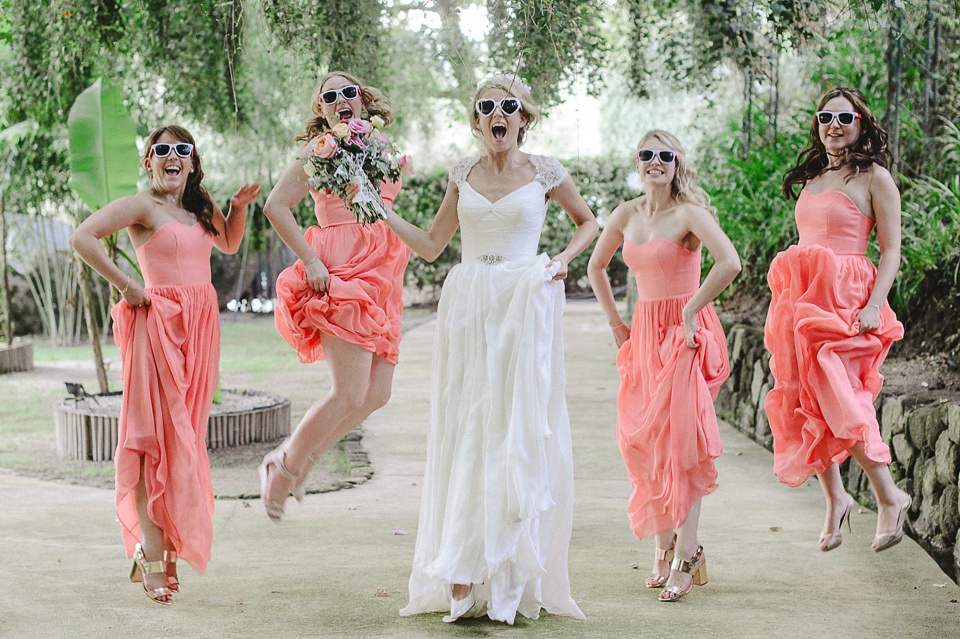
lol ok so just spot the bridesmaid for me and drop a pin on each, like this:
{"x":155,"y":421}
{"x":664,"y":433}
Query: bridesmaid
{"x":673,"y":360}
{"x":829,"y":317}
{"x":168,"y":331}
{"x":341,"y":301}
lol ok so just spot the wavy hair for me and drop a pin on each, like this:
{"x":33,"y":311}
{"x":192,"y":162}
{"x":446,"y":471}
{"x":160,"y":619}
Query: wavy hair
{"x":684,"y":187}
{"x":869,"y":149}
{"x":373,"y":100}
{"x":515,"y":87}
{"x":196,"y":198}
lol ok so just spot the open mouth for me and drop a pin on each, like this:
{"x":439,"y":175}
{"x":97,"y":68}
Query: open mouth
{"x":655,"y":172}
{"x":499,"y":131}
{"x":345,"y":114}
{"x":172,"y":171}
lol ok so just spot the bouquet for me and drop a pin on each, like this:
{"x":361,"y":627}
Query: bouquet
{"x":355,"y":152}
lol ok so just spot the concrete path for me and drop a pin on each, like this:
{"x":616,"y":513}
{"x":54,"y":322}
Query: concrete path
{"x":337,"y":565}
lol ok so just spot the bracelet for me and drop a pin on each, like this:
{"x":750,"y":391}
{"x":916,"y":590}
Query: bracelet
{"x":876,"y":306}
{"x":622,"y":324}
{"x":306,"y":264}
{"x":125,"y":287}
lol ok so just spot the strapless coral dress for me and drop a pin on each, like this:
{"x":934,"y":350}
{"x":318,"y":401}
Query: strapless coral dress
{"x":171,"y":353}
{"x":666,"y":424}
{"x":364,"y":304}
{"x":827,"y":376}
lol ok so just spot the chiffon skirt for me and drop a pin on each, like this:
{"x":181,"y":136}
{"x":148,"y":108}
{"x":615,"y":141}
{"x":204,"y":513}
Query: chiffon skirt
{"x":666,"y":424}
{"x":497,"y":505}
{"x":170,"y":352}
{"x":364,"y":303}
{"x":827,"y":376}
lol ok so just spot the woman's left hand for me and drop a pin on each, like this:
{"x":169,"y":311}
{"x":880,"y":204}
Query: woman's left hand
{"x":561,"y":270}
{"x":869,"y":319}
{"x":690,"y":329}
{"x":247,"y":194}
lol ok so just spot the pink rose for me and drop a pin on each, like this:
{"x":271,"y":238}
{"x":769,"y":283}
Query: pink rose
{"x":326,"y":146}
{"x":359,"y":126}
{"x":357,"y":140}
{"x":406,"y":166}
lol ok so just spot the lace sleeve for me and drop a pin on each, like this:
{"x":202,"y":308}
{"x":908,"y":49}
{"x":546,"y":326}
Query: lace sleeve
{"x":460,"y":170}
{"x":550,"y":173}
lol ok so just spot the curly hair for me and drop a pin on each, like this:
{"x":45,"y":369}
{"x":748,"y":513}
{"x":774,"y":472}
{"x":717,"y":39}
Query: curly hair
{"x":684,"y":187}
{"x":196,"y":198}
{"x":869,"y":149}
{"x":513,"y":85}
{"x":373,"y":99}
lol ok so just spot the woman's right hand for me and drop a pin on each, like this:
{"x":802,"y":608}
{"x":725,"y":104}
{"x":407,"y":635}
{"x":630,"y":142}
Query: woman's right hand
{"x":318,"y":277}
{"x":134,"y":295}
{"x":621,"y":333}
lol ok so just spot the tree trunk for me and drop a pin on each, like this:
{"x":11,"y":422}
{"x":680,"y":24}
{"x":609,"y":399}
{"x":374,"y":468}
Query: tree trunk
{"x":91,"y":324}
{"x":5,"y":302}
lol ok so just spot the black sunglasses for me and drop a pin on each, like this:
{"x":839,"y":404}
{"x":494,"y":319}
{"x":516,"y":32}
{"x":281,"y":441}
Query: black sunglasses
{"x":509,"y":106}
{"x":845,"y":118}
{"x":163,"y":149}
{"x":349,"y":92}
{"x":666,"y":157}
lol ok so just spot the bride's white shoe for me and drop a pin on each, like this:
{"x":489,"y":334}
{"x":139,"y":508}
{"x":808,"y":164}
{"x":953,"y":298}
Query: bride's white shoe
{"x":460,"y":607}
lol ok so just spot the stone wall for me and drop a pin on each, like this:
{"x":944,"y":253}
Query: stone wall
{"x":924,"y":439}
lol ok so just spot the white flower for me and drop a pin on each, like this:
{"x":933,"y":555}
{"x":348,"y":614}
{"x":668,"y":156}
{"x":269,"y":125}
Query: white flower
{"x":377,"y":121}
{"x":309,"y":168}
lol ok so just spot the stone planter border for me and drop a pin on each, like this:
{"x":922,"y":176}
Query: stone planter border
{"x":85,"y":431}
{"x":17,"y":357}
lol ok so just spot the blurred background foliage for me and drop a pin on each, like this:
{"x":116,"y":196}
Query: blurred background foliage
{"x":736,"y":80}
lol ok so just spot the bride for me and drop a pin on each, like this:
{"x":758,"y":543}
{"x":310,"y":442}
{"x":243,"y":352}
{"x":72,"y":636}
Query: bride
{"x":497,"y":505}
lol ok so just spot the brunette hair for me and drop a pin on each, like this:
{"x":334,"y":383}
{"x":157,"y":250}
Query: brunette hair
{"x":513,"y":85}
{"x":869,"y":149}
{"x":373,"y":99}
{"x":684,"y":187}
{"x":196,"y":198}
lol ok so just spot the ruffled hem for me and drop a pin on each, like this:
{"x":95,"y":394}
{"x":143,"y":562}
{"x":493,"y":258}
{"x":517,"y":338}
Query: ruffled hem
{"x":811,"y":327}
{"x":666,"y":426}
{"x":364,"y":304}
{"x":170,"y":352}
{"x":497,"y":505}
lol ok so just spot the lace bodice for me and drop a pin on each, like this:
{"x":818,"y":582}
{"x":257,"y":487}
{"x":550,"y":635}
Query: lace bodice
{"x":509,"y":228}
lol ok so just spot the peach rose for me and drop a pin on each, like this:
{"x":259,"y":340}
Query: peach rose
{"x":326,"y":146}
{"x":341,"y":130}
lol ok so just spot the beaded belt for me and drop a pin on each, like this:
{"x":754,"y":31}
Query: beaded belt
{"x":491,"y":258}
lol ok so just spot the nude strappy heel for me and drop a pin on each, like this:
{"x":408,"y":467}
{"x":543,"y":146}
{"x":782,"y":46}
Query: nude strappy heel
{"x":299,"y":490}
{"x":275,"y":457}
{"x":141,"y":567}
{"x":889,"y":539}
{"x":831,"y":540}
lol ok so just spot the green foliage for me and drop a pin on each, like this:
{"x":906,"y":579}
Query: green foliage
{"x":103,"y":146}
{"x":549,"y":42}
{"x":333,"y":34}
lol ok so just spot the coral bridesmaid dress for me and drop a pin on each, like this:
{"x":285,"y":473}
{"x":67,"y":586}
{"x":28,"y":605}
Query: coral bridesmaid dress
{"x":827,"y":376}
{"x":666,"y":424}
{"x":365,"y":301}
{"x":171,"y":353}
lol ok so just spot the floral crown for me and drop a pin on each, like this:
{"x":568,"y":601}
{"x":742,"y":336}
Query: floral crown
{"x":506,"y":80}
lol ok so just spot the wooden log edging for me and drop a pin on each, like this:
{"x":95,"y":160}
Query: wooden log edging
{"x":86,"y":431}
{"x":924,"y":440}
{"x":17,"y":357}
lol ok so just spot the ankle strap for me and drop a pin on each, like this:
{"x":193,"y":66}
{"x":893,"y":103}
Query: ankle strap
{"x":682,"y":565}
{"x":663,"y":554}
{"x":170,"y":556}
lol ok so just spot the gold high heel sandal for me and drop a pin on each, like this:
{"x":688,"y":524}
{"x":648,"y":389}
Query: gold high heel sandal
{"x":889,"y":539}
{"x":661,"y":554}
{"x":829,"y":541}
{"x":697,"y":567}
{"x":143,"y":567}
{"x":274,"y":509}
{"x":170,"y":558}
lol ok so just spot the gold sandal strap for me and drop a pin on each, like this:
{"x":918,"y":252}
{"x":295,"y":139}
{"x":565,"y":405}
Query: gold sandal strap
{"x":664,"y":554}
{"x":170,"y":556}
{"x":152,"y":567}
{"x":682,"y":565}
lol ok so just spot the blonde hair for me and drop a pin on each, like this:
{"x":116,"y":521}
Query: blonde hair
{"x":684,"y":187}
{"x":373,"y":99}
{"x":513,"y":85}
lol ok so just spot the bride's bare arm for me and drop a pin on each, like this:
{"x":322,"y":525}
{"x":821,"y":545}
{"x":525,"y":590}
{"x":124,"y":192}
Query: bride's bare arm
{"x":429,"y":244}
{"x":568,"y":197}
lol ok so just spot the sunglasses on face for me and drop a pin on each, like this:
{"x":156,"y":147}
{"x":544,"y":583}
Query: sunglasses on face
{"x":666,"y":157}
{"x":845,"y":118}
{"x":163,"y":149}
{"x":508,"y":106}
{"x":348,"y":92}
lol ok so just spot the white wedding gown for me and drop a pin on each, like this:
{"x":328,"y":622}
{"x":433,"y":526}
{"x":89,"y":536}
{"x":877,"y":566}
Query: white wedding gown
{"x":497,"y":505}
